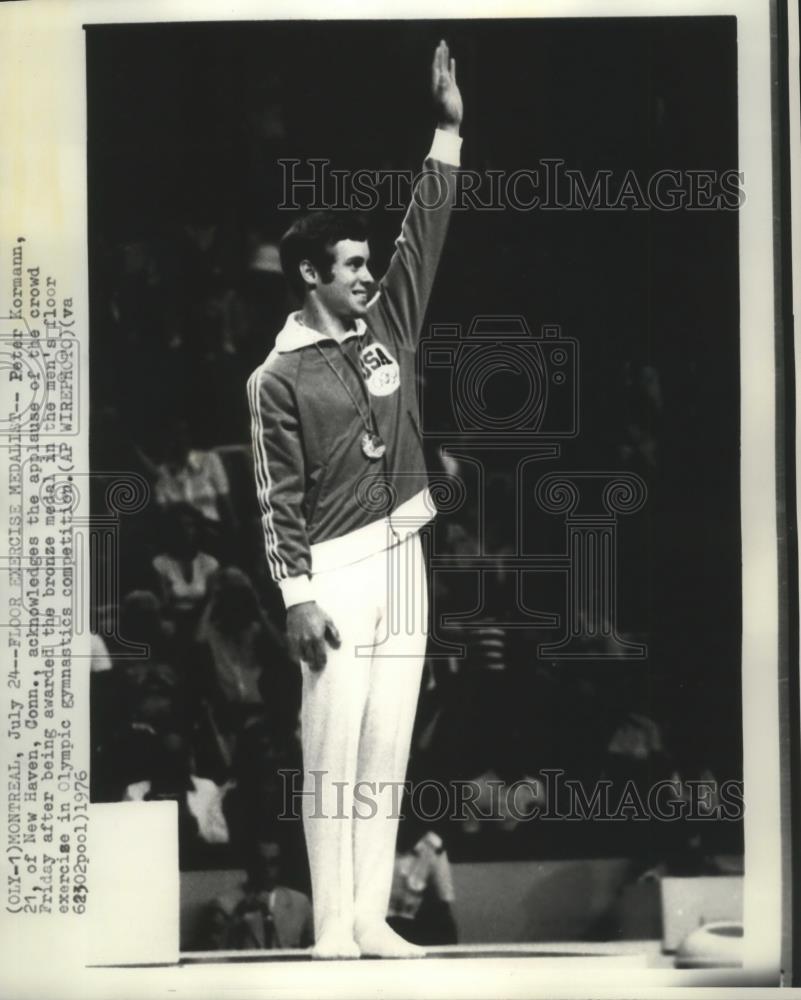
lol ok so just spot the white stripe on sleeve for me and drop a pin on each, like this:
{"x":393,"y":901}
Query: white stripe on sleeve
{"x":277,"y":565}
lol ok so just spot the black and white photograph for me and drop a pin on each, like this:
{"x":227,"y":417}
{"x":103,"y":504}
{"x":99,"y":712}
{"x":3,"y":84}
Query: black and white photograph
{"x":400,"y":488}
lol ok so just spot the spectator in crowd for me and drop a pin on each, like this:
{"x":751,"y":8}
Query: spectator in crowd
{"x":154,"y":695}
{"x":637,"y":738}
{"x":140,"y":299}
{"x":142,"y":623}
{"x":107,"y":716}
{"x":218,"y":365}
{"x":422,"y":889}
{"x":696,"y":844}
{"x":142,"y":694}
{"x":145,"y":329}
{"x":147,"y":640}
{"x":114,"y":449}
{"x":182,"y":570}
{"x":471,"y":712}
{"x":260,"y":913}
{"x":640,"y":402}
{"x":265,"y":295}
{"x":259,"y":796}
{"x":147,"y":644}
{"x":196,"y":477}
{"x":99,"y":660}
{"x":201,"y":822}
{"x":244,"y":655}
{"x":219,"y":321}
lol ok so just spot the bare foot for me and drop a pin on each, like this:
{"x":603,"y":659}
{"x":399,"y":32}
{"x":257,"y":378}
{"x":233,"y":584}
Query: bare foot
{"x":378,"y":940}
{"x":335,"y":942}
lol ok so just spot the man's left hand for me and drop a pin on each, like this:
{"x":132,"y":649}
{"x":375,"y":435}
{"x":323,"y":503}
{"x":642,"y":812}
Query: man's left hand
{"x":445,"y":90}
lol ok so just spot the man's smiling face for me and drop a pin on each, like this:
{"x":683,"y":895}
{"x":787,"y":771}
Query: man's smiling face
{"x":348,"y":287}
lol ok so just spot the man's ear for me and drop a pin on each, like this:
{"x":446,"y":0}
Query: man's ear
{"x":309,"y":274}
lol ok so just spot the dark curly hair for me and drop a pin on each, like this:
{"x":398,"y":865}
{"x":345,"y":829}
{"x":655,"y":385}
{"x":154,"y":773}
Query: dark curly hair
{"x":312,"y":238}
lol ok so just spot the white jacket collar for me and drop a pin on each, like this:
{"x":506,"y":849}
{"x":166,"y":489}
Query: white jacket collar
{"x":295,"y":334}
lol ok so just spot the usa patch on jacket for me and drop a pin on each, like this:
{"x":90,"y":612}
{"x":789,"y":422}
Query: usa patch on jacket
{"x":380,"y":370}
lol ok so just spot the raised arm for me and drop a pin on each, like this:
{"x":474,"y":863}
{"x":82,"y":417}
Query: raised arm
{"x":406,"y":286}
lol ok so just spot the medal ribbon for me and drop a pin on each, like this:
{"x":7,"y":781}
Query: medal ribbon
{"x":368,"y":424}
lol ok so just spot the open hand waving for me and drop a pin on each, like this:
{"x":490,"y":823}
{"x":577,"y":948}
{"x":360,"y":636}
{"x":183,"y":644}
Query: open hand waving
{"x":445,"y":90}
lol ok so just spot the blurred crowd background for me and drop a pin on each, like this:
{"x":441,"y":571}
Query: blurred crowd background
{"x":194,"y":696}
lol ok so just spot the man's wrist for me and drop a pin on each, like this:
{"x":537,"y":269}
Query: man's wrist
{"x":450,"y":127}
{"x":446,"y":147}
{"x":300,"y":604}
{"x":296,"y":590}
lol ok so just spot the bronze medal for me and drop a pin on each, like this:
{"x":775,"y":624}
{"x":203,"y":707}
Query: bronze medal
{"x":372,"y":446}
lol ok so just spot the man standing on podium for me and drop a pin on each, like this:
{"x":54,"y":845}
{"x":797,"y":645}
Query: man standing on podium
{"x":342,"y":487}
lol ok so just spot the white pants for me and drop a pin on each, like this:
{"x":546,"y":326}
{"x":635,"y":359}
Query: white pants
{"x":357,"y":717}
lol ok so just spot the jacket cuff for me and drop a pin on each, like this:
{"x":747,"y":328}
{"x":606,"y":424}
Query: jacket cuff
{"x":296,"y":590}
{"x":446,"y":147}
